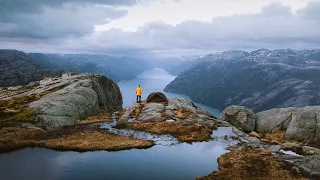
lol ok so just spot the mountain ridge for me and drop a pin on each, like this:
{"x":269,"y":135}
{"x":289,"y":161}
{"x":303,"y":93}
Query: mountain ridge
{"x":260,"y":79}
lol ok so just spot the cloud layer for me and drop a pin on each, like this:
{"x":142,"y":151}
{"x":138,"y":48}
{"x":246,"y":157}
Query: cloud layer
{"x":70,"y":26}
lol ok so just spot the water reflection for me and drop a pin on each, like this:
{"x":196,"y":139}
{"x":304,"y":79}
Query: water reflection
{"x":182,"y":161}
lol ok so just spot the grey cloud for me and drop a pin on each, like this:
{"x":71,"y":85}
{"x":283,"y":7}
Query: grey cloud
{"x":275,"y":27}
{"x":45,"y":19}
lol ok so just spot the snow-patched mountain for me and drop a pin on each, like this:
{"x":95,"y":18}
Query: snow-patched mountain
{"x":261,"y":79}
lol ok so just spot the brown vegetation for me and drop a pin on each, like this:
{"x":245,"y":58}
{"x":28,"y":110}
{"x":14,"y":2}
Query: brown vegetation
{"x":103,"y":116}
{"x":138,"y":108}
{"x":184,"y":132}
{"x":252,"y":164}
{"x":276,"y":138}
{"x":182,"y":114}
{"x":75,"y":138}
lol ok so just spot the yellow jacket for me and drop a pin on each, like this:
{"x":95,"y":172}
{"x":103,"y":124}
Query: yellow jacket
{"x":138,"y":91}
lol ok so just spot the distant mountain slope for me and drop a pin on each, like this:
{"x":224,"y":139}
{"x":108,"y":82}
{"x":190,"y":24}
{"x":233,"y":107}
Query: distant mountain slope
{"x":123,"y":68}
{"x":19,"y":68}
{"x":260,"y":80}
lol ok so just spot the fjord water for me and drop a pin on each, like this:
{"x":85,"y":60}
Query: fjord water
{"x":180,"y":161}
{"x":153,"y":81}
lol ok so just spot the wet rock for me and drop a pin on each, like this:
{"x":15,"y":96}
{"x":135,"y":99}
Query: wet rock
{"x":273,"y":120}
{"x":240,"y":117}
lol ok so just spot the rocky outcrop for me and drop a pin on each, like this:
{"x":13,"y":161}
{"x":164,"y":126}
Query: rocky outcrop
{"x":240,"y":117}
{"x":64,"y":101}
{"x":301,"y":124}
{"x":273,"y":120}
{"x":305,"y":124}
{"x":176,"y":110}
{"x":82,"y":97}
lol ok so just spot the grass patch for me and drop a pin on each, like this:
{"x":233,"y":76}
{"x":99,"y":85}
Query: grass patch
{"x":77,"y":138}
{"x":103,"y":116}
{"x":184,"y":132}
{"x":182,"y":114}
{"x":276,"y":138}
{"x":252,"y":164}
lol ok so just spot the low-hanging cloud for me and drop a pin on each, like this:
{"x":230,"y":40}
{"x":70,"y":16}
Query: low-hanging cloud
{"x":276,"y":26}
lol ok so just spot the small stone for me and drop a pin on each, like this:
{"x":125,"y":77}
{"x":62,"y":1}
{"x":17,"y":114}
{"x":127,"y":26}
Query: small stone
{"x":238,"y":132}
{"x":225,"y":124}
{"x":253,"y":140}
{"x":254,"y":134}
{"x":274,"y":148}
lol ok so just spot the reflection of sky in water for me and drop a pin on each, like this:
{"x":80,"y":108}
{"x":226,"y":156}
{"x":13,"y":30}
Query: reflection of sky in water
{"x":183,"y":161}
{"x":153,"y":81}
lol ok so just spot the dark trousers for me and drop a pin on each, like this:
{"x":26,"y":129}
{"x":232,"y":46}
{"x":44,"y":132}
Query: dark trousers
{"x":138,"y":98}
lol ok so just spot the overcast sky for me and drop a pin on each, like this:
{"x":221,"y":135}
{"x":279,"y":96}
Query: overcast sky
{"x":158,"y":27}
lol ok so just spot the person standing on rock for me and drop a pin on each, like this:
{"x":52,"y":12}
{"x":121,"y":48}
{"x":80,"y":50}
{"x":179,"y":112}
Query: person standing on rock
{"x":138,"y":92}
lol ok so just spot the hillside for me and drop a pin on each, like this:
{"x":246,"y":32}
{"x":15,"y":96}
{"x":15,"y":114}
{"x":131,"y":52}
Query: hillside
{"x":262,"y":79}
{"x":19,"y":68}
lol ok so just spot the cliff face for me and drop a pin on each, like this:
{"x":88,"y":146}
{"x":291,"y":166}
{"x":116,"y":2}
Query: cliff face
{"x":65,"y":100}
{"x":260,"y":80}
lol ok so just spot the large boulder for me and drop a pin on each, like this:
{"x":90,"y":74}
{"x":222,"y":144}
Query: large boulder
{"x":240,"y":117}
{"x":305,"y":124}
{"x":273,"y":120}
{"x":83,"y":96}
